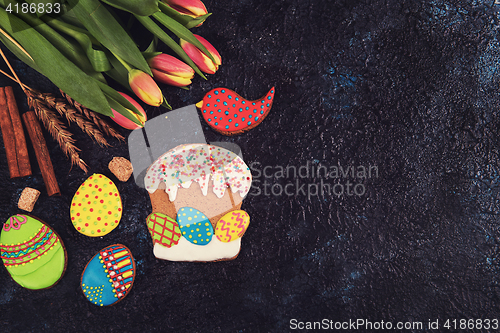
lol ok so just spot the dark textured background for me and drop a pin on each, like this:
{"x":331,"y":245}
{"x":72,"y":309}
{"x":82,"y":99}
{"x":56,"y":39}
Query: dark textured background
{"x":408,"y":86}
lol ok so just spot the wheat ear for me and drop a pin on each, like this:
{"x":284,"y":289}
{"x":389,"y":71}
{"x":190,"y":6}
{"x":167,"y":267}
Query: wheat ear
{"x":56,"y":128}
{"x":99,"y":122}
{"x":72,"y":115}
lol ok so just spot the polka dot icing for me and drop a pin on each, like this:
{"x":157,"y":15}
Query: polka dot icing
{"x":232,"y":106}
{"x":195,"y":226}
{"x":232,"y":226}
{"x":199,"y":163}
{"x":96,"y":208}
{"x":109,"y":275}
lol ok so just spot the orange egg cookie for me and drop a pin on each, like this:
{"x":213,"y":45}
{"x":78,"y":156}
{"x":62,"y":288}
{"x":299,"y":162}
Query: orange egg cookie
{"x":96,"y":208}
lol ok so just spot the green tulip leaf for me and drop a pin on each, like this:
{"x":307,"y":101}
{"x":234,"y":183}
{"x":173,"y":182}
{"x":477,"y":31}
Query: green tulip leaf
{"x":153,"y":45}
{"x":122,"y":110}
{"x":115,"y":75}
{"x":149,"y":55}
{"x":97,"y":57}
{"x":44,"y":2}
{"x":197,"y":21}
{"x":164,"y":37}
{"x":106,"y":29}
{"x":68,"y":48}
{"x":115,"y":95}
{"x":142,"y":8}
{"x":53,"y":64}
{"x":15,"y":49}
{"x":70,"y":17}
{"x":165,"y":103}
{"x":118,"y":72}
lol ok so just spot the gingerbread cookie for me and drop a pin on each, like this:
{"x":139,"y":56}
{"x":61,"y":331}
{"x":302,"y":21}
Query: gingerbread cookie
{"x":193,"y":190}
{"x":32,"y":252}
{"x":228,"y":113}
{"x":109,"y":275}
{"x":96,"y":208}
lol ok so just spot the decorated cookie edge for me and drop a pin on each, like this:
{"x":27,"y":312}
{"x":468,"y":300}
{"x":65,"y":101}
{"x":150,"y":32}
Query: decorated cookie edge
{"x":63,"y":247}
{"x":88,"y":262}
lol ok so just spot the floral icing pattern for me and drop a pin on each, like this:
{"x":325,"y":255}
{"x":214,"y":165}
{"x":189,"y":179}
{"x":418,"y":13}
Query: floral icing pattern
{"x":16,"y":255}
{"x":32,"y":252}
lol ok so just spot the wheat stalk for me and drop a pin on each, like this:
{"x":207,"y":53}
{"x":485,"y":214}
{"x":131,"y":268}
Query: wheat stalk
{"x":94,"y":117}
{"x":49,"y":119}
{"x":56,"y":128}
{"x":72,"y":115}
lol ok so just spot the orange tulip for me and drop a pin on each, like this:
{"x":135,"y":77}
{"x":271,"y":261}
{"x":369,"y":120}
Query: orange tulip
{"x":170,"y":70}
{"x":145,"y":87}
{"x":124,"y":121}
{"x":199,"y":58}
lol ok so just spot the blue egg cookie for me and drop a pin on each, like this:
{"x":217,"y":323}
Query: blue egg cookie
{"x":195,"y":226}
{"x":109,"y":275}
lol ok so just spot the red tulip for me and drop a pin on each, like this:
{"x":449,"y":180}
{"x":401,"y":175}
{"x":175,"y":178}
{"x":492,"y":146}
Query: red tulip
{"x":200,"y":59}
{"x":145,"y":87}
{"x":193,"y":8}
{"x":124,"y":121}
{"x":170,"y":70}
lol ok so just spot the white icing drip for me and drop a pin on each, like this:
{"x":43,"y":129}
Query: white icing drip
{"x":203,"y":181}
{"x":186,"y":184}
{"x":186,"y":251}
{"x":199,"y":163}
{"x":172,"y":192}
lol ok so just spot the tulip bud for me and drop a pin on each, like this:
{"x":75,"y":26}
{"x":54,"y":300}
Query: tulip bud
{"x":193,"y":8}
{"x":124,"y":121}
{"x":199,"y":58}
{"x":170,"y":70}
{"x":145,"y":87}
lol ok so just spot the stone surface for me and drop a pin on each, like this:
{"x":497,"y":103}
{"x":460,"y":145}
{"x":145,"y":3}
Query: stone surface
{"x":409,"y":87}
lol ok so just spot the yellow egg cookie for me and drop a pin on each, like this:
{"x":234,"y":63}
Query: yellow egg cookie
{"x":96,"y":208}
{"x":232,"y":226}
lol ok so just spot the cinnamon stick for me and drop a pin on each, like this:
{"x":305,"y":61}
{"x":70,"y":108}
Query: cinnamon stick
{"x":8,"y":136}
{"x":23,"y":160}
{"x":41,"y":152}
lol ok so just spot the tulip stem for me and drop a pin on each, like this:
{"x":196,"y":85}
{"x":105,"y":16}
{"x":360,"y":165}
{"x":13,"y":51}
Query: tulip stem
{"x":123,"y":62}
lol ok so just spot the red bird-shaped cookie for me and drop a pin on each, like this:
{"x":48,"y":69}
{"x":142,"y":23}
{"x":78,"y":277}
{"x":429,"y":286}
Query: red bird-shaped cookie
{"x":228,"y":113}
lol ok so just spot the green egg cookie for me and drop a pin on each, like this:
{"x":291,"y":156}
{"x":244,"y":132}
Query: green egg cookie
{"x":32,"y":252}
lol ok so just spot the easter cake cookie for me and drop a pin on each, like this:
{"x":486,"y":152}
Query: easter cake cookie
{"x":196,"y":191}
{"x":96,"y":208}
{"x":32,"y":252}
{"x":109,"y":275}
